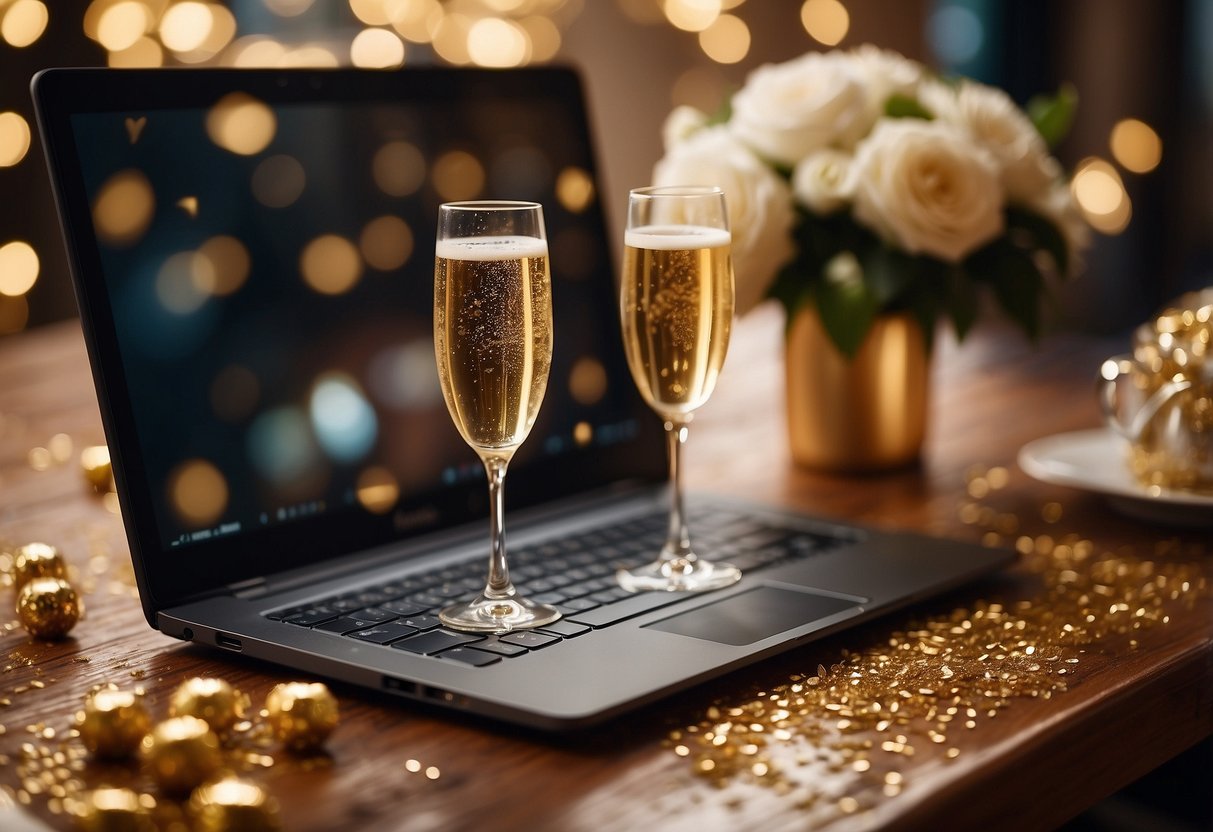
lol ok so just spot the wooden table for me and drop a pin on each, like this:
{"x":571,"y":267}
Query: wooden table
{"x":1041,"y":758}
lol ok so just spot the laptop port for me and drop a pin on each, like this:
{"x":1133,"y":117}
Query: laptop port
{"x":399,"y":685}
{"x":229,"y":642}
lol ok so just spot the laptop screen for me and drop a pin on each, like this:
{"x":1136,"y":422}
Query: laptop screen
{"x":254,"y":259}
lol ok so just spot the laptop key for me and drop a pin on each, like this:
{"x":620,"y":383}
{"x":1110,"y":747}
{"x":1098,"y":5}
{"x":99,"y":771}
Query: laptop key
{"x":470,"y":655}
{"x":346,"y":625}
{"x":627,"y":608}
{"x":374,"y":615}
{"x":384,"y":633}
{"x":404,"y":608}
{"x":529,"y":639}
{"x":578,"y":605}
{"x":435,"y":641}
{"x":310,"y":618}
{"x":501,"y":648}
{"x":564,"y":629}
{"x":422,"y":622}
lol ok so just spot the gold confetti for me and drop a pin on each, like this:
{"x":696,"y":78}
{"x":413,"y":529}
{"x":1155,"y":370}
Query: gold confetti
{"x":188,"y":204}
{"x":947,"y":672}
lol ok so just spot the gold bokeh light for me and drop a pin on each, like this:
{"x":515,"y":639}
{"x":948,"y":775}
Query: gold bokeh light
{"x":242,"y":124}
{"x":416,"y":20}
{"x":186,"y":26}
{"x":1136,"y":145}
{"x":450,"y":38}
{"x":255,"y":51}
{"x":123,"y":24}
{"x":278,"y":181}
{"x":727,"y":41}
{"x":14,"y":139}
{"x":144,"y":52}
{"x":494,"y":42}
{"x":583,"y":434}
{"x":371,"y":12}
{"x":198,"y":492}
{"x":574,"y":189}
{"x":544,"y":36}
{"x":386,"y":243}
{"x":1101,"y":196}
{"x":588,"y":381}
{"x":692,"y":15}
{"x":222,"y":266}
{"x":288,"y":8}
{"x":18,"y":268}
{"x":398,"y":168}
{"x":826,"y":21}
{"x":458,"y":175}
{"x":330,"y":264}
{"x":124,"y":208}
{"x":376,"y":49}
{"x":23,"y":22}
{"x":377,"y":490}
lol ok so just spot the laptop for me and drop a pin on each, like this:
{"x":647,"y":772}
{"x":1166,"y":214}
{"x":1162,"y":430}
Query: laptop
{"x":252,"y":257}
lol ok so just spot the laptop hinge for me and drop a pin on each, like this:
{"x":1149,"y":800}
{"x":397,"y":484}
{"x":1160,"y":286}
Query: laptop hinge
{"x":252,"y":588}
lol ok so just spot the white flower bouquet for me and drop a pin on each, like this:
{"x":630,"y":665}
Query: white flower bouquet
{"x":862,"y":184}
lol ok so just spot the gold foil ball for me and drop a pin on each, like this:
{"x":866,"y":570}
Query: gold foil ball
{"x":209,"y":699}
{"x":48,"y":608}
{"x":37,"y":560}
{"x":95,"y":465}
{"x":113,"y":723}
{"x":234,"y":805}
{"x":181,"y":753}
{"x":301,"y":714}
{"x":112,"y":810}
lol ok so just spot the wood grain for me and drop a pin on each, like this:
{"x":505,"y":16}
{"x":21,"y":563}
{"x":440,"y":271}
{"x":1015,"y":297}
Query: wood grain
{"x":1038,"y":763}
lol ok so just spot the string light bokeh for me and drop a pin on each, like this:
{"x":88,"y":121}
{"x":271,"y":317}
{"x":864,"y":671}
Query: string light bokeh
{"x":716,"y":42}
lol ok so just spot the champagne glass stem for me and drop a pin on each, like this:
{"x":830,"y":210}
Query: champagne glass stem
{"x":677,"y":550}
{"x":499,"y":585}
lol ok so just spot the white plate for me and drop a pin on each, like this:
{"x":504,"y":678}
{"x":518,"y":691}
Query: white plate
{"x":1094,"y":460}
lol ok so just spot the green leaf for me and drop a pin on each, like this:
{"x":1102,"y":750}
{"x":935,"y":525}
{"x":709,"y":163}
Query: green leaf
{"x":847,"y":311}
{"x":1017,"y":284}
{"x":887,"y":272}
{"x":903,"y":106}
{"x":1044,"y":236}
{"x":1054,"y":114}
{"x":963,"y":301}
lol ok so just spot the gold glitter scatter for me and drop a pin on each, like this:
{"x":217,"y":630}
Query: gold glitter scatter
{"x":432,"y":773}
{"x":413,"y":766}
{"x":940,"y":678}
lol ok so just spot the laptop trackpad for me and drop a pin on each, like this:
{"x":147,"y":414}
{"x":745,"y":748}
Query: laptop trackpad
{"x":754,"y":615}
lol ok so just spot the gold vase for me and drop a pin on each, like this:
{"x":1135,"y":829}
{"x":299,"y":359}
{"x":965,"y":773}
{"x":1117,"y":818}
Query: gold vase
{"x":865,"y":414}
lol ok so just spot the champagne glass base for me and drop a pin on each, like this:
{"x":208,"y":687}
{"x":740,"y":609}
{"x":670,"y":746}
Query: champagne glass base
{"x":497,"y":615}
{"x":679,"y":575}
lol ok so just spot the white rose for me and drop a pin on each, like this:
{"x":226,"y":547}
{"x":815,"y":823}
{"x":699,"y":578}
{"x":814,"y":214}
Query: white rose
{"x":884,"y":73}
{"x":822,"y":181}
{"x":927,"y":188}
{"x":786,"y":111}
{"x":995,"y":122}
{"x":680,"y":124}
{"x":759,"y":201}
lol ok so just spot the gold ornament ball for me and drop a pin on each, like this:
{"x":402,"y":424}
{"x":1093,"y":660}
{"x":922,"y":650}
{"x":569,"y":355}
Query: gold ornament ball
{"x":112,"y":810}
{"x":113,"y":723}
{"x":48,"y":608}
{"x":234,"y":805}
{"x":37,"y":560}
{"x":209,"y":699}
{"x":301,"y":714}
{"x":181,"y":753}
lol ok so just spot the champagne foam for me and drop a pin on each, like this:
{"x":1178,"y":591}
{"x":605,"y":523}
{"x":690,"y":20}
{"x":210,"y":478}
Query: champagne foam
{"x":676,"y":237}
{"x":491,"y":248}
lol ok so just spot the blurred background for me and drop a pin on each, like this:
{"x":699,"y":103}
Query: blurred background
{"x":1140,"y":148}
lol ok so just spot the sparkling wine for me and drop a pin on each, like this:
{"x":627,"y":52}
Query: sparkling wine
{"x":677,"y":309}
{"x":493,"y":336}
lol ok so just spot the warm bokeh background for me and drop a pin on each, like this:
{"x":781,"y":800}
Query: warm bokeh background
{"x":1140,"y":148}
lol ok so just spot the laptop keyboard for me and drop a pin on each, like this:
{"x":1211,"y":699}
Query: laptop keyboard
{"x":576,"y":574}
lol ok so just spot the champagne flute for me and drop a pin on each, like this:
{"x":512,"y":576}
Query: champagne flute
{"x":676,"y":304}
{"x":493,"y":342}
